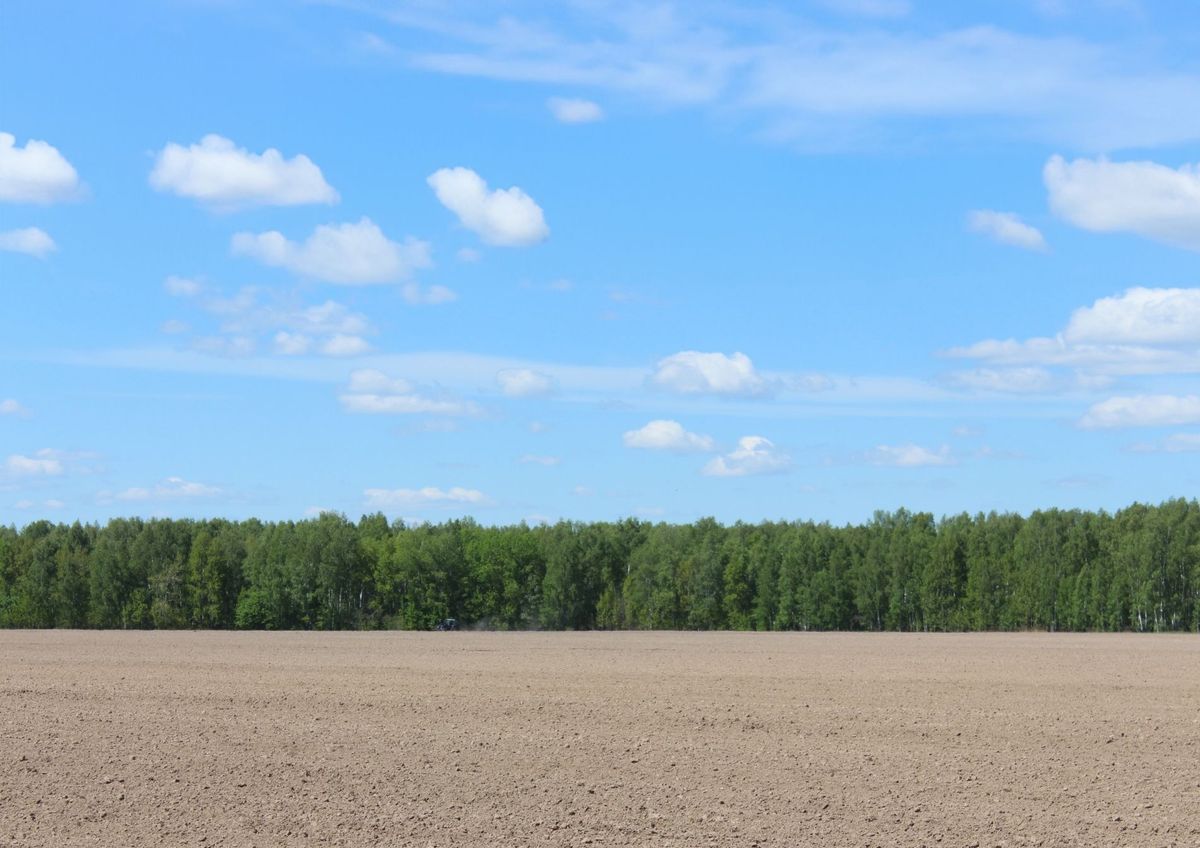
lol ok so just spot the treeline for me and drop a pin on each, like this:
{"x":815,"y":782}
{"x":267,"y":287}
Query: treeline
{"x":1137,"y":569}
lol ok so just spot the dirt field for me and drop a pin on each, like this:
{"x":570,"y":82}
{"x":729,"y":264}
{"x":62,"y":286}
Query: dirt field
{"x":206,"y":739}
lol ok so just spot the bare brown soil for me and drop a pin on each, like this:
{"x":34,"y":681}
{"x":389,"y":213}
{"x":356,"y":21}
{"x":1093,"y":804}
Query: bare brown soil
{"x":207,"y":739}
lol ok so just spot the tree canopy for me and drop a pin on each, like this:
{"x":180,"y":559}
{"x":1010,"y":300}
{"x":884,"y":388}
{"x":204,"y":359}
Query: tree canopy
{"x":1137,"y":569}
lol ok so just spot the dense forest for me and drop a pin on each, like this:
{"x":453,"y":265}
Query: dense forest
{"x":1137,"y":569}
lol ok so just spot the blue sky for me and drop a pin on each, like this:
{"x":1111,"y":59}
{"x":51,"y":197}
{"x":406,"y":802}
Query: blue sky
{"x":528,"y":261}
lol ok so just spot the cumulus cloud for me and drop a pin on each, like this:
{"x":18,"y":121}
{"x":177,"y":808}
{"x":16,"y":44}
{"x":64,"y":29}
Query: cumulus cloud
{"x":35,"y":173}
{"x":1144,"y":198}
{"x":8,"y":406}
{"x":344,"y":344}
{"x":753,"y":455}
{"x":427,"y":497}
{"x":691,"y":372}
{"x":1006,"y":228}
{"x":292,"y":344}
{"x":373,"y":392}
{"x":1141,"y":330}
{"x":172,"y":488}
{"x":909,"y":456}
{"x":329,"y":328}
{"x":432,"y":296}
{"x":44,"y":463}
{"x":221,"y":175}
{"x":505,"y":217}
{"x":662,"y":434}
{"x":1143,"y":411}
{"x":524,"y":382}
{"x":28,"y":240}
{"x":1139,"y":316}
{"x":347,"y":254}
{"x":571,"y":110}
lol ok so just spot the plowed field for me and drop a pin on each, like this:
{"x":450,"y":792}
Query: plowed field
{"x":488,"y":739}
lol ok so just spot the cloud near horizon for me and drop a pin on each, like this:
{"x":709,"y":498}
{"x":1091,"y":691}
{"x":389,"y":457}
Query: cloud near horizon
{"x":753,"y":455}
{"x":424,"y":498}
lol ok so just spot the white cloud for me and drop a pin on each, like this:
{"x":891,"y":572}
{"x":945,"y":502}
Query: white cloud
{"x":174,"y":327}
{"x":1028,"y":380}
{"x":1139,"y":316}
{"x":229,"y":346}
{"x":219,"y":174}
{"x":1143,"y":411}
{"x":44,"y":463}
{"x":754,"y":455}
{"x":348,"y":254}
{"x":1145,"y":198}
{"x":431,"y":296}
{"x":323,"y":318}
{"x":1182,"y":443}
{"x":373,"y":392}
{"x":8,"y":406}
{"x":28,"y":240}
{"x":468,"y":254}
{"x":524,"y":382}
{"x":182,"y":287}
{"x":51,"y":503}
{"x":838,"y":86}
{"x":343,"y":344}
{"x":506,"y":217}
{"x":1006,"y":228}
{"x":909,"y":456}
{"x":662,"y":434}
{"x":329,"y":328}
{"x":172,"y":488}
{"x":1141,"y":330}
{"x":537,"y":459}
{"x":692,"y":372}
{"x":572,"y":110}
{"x":292,"y":344}
{"x":427,"y":497}
{"x":35,"y":173}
